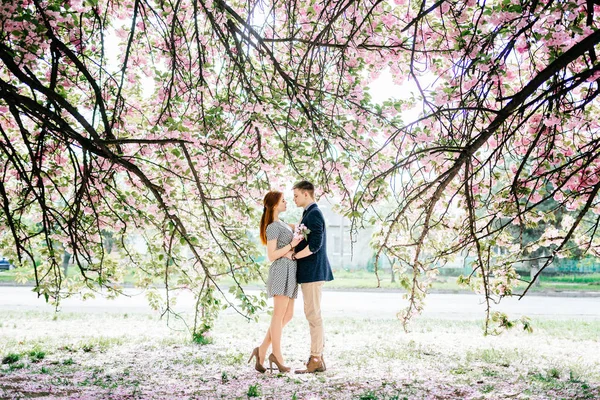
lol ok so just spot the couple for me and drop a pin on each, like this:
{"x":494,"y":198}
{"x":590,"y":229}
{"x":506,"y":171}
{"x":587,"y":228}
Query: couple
{"x":297,"y":259}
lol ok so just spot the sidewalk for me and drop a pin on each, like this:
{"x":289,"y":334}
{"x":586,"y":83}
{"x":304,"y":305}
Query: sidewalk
{"x":336,"y":304}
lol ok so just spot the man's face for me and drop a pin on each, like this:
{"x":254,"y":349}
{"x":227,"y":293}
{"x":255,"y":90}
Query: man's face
{"x":300,"y":197}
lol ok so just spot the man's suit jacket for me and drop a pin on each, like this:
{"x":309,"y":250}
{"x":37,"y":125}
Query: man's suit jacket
{"x":315,"y":267}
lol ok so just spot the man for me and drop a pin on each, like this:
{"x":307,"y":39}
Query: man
{"x":313,"y":271}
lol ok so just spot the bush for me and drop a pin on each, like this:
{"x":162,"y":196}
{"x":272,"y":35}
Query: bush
{"x":202,"y":338}
{"x":36,"y":355}
{"x":14,"y":367}
{"x":11,"y":358}
{"x":254,"y":391}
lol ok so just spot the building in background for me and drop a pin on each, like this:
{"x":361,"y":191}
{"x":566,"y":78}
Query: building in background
{"x":342,"y":253}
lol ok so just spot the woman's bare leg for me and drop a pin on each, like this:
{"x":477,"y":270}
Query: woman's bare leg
{"x":283,"y":310}
{"x":289,"y":312}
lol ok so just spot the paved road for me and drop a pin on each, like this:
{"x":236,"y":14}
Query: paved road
{"x":337,"y":303}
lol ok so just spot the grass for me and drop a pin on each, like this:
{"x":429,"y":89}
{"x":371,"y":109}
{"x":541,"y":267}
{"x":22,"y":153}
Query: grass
{"x":363,"y":279}
{"x":11,"y":358}
{"x":368,"y":396}
{"x":232,"y":358}
{"x":201,"y":338}
{"x":492,"y":356}
{"x":7,"y":276}
{"x":253,"y":391}
{"x":99,"y":344}
{"x":487,"y":389}
{"x":37,"y":355}
{"x":591,"y":279}
{"x":554,"y":373}
{"x":224,"y":377}
{"x":16,"y":366}
{"x":366,"y":358}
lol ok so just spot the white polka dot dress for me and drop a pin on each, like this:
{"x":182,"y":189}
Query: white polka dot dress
{"x":282,"y":273}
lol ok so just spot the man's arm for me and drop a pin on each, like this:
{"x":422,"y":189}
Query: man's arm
{"x":305,"y":252}
{"x":315,"y":237}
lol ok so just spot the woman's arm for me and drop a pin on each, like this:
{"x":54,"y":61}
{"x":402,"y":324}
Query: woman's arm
{"x":273,"y":253}
{"x":293,"y":227}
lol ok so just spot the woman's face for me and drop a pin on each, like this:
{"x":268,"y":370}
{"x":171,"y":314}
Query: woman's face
{"x":282,"y":205}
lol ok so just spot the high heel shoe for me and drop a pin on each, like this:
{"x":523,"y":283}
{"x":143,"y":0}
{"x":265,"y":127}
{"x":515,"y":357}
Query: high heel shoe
{"x":258,"y":365}
{"x":280,"y":367}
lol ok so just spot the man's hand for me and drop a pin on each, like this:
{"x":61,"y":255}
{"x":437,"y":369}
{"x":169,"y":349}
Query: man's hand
{"x":305,"y":252}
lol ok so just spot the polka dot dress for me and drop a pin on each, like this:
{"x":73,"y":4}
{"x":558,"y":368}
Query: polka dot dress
{"x":282,"y":273}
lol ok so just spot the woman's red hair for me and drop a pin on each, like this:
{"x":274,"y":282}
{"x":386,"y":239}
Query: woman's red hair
{"x":270,"y":203}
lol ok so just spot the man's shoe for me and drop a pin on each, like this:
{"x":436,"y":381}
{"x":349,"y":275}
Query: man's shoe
{"x":314,"y":364}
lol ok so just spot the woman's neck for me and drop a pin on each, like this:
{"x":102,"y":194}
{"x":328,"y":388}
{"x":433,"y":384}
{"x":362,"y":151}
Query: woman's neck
{"x":276,"y":215}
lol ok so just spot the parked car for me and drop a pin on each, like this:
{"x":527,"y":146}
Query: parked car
{"x":4,"y":264}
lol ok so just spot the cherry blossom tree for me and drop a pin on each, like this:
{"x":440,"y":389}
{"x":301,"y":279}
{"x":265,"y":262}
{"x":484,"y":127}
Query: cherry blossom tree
{"x":170,"y":119}
{"x":173,"y":134}
{"x":507,"y":93}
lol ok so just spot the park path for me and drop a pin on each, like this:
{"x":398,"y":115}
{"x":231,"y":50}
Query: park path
{"x":336,"y":303}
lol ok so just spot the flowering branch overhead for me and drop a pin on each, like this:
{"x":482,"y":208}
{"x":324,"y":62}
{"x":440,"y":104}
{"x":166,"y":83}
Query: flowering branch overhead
{"x":168,"y":121}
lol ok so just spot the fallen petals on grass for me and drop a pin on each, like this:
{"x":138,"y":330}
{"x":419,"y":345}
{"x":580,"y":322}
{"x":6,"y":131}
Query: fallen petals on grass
{"x":112,"y":356}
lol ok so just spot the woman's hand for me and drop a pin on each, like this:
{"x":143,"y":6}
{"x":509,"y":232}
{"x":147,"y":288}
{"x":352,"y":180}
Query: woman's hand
{"x":289,"y":254}
{"x":296,"y":241}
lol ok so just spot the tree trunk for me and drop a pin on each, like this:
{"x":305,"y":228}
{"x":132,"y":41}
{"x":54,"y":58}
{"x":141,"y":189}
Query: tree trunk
{"x":65,"y":262}
{"x":535,"y":268}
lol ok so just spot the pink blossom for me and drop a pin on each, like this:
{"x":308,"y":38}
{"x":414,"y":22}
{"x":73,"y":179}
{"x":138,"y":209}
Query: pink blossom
{"x":535,"y":198}
{"x":553,"y":120}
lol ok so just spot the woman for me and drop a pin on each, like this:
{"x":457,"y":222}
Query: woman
{"x":281,"y":285}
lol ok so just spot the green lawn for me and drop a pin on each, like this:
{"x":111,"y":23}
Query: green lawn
{"x":7,"y":276}
{"x":10,"y":276}
{"x":367,"y":280}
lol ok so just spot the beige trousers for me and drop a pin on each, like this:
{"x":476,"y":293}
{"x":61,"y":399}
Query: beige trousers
{"x":311,"y":293}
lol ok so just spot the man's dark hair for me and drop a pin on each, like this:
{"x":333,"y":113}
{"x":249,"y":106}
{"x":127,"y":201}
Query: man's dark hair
{"x":307,"y":186}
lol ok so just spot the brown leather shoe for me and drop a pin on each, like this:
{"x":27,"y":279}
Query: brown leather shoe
{"x":314,"y":364}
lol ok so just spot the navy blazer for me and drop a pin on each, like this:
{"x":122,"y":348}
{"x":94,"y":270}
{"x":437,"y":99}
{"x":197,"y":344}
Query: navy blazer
{"x":315,"y":267}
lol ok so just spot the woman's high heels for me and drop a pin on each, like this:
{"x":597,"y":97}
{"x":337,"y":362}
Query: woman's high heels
{"x":280,"y":367}
{"x":258,"y":365}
